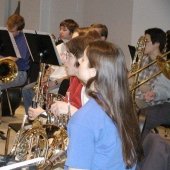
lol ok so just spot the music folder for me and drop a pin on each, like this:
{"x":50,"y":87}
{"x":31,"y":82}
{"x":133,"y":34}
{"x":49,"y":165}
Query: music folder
{"x":42,"y":47}
{"x":132,"y":51}
{"x":8,"y":45}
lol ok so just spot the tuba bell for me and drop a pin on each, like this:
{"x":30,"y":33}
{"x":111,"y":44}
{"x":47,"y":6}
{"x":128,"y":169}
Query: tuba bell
{"x":8,"y":70}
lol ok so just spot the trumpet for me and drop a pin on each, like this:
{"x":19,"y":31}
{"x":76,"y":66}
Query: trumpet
{"x":8,"y":70}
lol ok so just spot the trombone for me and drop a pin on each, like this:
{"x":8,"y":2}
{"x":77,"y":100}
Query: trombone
{"x":163,"y":64}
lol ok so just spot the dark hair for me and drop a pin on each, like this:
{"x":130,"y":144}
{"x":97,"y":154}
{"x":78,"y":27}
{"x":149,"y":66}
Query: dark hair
{"x":77,"y":45}
{"x":103,"y":29}
{"x":112,"y":93}
{"x":157,"y":36}
{"x":70,"y":24}
{"x":16,"y":20}
{"x":88,"y":31}
{"x":168,"y":43}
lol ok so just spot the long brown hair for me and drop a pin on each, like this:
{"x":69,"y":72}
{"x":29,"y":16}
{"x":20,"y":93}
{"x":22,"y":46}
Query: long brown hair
{"x":112,"y":93}
{"x":77,"y":45}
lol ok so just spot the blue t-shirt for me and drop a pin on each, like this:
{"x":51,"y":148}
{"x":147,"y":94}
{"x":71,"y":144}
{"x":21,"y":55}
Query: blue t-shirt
{"x":23,"y":62}
{"x":94,"y":142}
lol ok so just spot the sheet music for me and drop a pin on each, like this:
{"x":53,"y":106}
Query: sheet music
{"x":61,"y":51}
{"x":55,"y":49}
{"x":32,"y":32}
{"x":14,"y":45}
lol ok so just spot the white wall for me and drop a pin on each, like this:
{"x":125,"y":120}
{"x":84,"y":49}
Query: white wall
{"x":31,"y":11}
{"x":117,"y":15}
{"x":126,"y":19}
{"x":148,"y":14}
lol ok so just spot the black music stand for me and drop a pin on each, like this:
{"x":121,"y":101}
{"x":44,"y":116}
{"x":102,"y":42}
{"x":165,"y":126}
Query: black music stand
{"x":132,"y":51}
{"x":42,"y":47}
{"x":6,"y":49}
{"x":7,"y":45}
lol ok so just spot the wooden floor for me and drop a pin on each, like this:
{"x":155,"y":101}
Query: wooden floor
{"x":4,"y":126}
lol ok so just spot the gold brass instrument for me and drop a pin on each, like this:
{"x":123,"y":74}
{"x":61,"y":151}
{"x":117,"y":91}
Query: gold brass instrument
{"x":136,"y":64}
{"x":8,"y":70}
{"x":39,"y":96}
{"x":47,"y":140}
{"x":162,"y":63}
{"x":164,"y":66}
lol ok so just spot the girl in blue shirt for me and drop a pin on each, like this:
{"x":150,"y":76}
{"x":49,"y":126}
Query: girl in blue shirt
{"x":104,"y":133}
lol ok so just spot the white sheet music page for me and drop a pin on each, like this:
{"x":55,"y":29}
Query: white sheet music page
{"x":14,"y":45}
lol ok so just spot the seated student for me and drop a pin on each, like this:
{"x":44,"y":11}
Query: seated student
{"x":75,"y":46}
{"x":104,"y":133}
{"x":152,"y":97}
{"x":67,"y":28}
{"x":15,"y":25}
{"x":101,"y":29}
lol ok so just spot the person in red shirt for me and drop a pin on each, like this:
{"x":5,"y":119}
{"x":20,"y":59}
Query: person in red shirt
{"x":75,"y":49}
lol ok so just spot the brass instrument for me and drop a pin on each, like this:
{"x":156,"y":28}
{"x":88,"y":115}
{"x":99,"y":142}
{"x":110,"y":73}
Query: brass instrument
{"x":48,"y":140}
{"x":39,"y":96}
{"x":8,"y":70}
{"x":136,"y":64}
{"x":163,"y":65}
{"x":36,"y":141}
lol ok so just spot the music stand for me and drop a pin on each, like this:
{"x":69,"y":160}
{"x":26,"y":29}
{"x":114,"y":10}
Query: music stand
{"x":132,"y":51}
{"x":8,"y":45}
{"x":42,"y":47}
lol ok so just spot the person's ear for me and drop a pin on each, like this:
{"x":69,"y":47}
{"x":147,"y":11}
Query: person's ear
{"x":93,"y":72}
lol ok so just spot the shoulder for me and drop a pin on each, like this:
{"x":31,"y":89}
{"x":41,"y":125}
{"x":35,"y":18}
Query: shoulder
{"x":75,"y":80}
{"x":93,"y":114}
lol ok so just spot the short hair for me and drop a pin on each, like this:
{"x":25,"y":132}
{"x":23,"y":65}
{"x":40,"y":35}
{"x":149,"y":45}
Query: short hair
{"x":168,"y":43}
{"x":77,"y":45}
{"x":88,"y":31}
{"x":17,"y":21}
{"x":157,"y":36}
{"x":103,"y":29}
{"x":70,"y":24}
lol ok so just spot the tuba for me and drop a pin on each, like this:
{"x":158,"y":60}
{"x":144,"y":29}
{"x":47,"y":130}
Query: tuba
{"x":8,"y":70}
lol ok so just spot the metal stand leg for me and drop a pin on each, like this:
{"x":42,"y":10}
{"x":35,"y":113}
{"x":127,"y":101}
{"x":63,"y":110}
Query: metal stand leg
{"x":9,"y":103}
{"x":2,"y":134}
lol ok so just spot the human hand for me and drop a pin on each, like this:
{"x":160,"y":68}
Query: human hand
{"x":59,"y":107}
{"x":34,"y":113}
{"x":145,"y":88}
{"x":149,"y":96}
{"x":51,"y":84}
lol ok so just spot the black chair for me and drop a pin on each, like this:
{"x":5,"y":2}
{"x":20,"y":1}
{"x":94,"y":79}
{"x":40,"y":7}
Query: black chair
{"x":156,"y":153}
{"x":10,"y":100}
